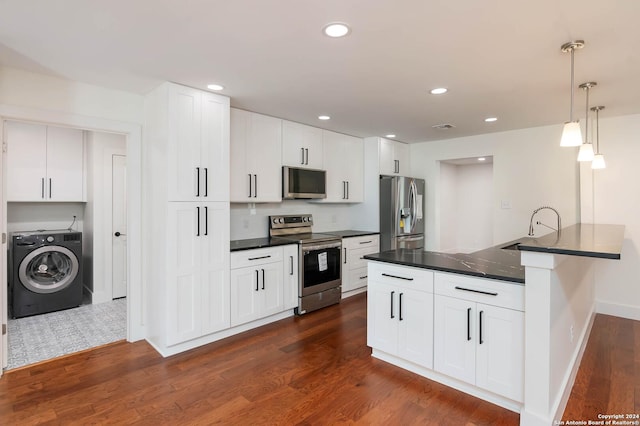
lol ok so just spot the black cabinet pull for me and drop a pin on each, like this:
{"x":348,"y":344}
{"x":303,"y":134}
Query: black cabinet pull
{"x":302,"y":150}
{"x":306,"y":150}
{"x":395,"y":276}
{"x":344,"y":190}
{"x":468,"y":324}
{"x":50,"y":192}
{"x":260,"y":257}
{"x":42,"y":187}
{"x":345,"y":256}
{"x":206,"y":220}
{"x":481,"y":315}
{"x":347,"y":190}
{"x":263,"y":279}
{"x":255,"y":186}
{"x":400,"y":303}
{"x":392,"y":293}
{"x":197,"y":181}
{"x":198,"y":227}
{"x":291,"y":258}
{"x":489,"y":293}
{"x":257,"y":280}
{"x":250,"y":189}
{"x":206,"y":181}
{"x":366,"y":242}
{"x":362,"y":278}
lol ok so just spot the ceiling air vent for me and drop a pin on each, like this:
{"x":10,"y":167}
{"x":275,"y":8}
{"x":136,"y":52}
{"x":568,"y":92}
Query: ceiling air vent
{"x":443,"y":126}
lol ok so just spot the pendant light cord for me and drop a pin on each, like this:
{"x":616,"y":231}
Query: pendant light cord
{"x":572,"y":89}
{"x":586,"y":120}
{"x":597,"y":131}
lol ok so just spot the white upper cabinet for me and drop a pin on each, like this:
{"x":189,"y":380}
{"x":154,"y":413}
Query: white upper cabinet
{"x":198,"y":152}
{"x":394,"y":157}
{"x":44,"y":163}
{"x":301,"y":146}
{"x":256,"y":149}
{"x":344,"y":163}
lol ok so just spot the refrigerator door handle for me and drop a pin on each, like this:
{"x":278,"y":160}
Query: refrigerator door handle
{"x":414,"y":204}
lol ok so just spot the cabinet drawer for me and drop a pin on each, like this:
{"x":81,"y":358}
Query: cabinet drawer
{"x":357,"y":279}
{"x":244,"y":258}
{"x":355,"y":257}
{"x":415,"y":278}
{"x":491,"y":292}
{"x":369,"y":241}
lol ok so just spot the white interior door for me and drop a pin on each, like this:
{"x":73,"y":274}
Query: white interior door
{"x":119,"y":226}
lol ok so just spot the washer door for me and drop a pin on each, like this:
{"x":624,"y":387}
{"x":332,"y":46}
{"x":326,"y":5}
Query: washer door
{"x":48,"y":269}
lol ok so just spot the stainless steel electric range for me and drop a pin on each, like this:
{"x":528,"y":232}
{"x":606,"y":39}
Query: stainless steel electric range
{"x":320,"y":280}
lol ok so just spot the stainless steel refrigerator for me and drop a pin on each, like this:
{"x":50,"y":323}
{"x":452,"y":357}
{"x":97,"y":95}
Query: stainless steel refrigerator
{"x":401,"y":213}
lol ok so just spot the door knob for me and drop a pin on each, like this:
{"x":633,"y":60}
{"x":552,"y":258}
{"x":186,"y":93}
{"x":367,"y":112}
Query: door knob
{"x":117,"y":234}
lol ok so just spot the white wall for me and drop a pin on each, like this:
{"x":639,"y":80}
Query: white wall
{"x":529,"y":170}
{"x":466,"y":207}
{"x":611,"y":196}
{"x":326,"y":217}
{"x":44,"y":216}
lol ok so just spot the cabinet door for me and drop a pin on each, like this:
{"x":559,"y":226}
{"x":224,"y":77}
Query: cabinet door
{"x":386,"y":157}
{"x":401,"y":155}
{"x":500,"y":351}
{"x":382,"y":317}
{"x":240,"y":177}
{"x":354,"y":172}
{"x":336,"y":164}
{"x":214,"y":243}
{"x":301,"y":145}
{"x":183,"y":292}
{"x":290,"y":274}
{"x":214,"y":149}
{"x":454,"y":338}
{"x":271,"y":289}
{"x":415,"y":329}
{"x":65,"y":159}
{"x":184,"y":174}
{"x":264,"y":161}
{"x":245,"y":295}
{"x":26,"y":161}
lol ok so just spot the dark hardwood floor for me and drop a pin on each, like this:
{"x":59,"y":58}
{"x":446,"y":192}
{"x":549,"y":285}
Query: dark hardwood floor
{"x":314,"y":369}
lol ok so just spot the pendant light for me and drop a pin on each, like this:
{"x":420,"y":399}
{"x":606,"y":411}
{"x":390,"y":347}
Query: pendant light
{"x":571,"y":135}
{"x":598,"y":159}
{"x":586,"y":149}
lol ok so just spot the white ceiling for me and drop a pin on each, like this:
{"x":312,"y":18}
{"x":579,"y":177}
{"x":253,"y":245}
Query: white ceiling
{"x":497,"y":57}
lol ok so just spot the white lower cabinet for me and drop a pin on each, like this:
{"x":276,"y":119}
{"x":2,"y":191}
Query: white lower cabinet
{"x":479,"y":333}
{"x":400,"y":312}
{"x":354,"y":266}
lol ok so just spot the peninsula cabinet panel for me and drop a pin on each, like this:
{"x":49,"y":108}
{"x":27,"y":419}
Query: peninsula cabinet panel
{"x":44,"y":163}
{"x":290,"y":274}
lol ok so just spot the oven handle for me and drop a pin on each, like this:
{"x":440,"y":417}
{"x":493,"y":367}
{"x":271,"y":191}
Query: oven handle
{"x":306,"y":248}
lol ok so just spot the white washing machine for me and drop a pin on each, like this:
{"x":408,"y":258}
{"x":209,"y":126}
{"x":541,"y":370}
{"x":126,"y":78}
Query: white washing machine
{"x":46,"y":272}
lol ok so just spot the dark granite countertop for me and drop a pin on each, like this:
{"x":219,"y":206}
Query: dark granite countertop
{"x":351,"y":233}
{"x":582,"y":239}
{"x":254,"y":243}
{"x":492,"y":262}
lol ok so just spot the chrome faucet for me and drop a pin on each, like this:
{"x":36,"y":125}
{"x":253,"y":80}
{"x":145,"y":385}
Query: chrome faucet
{"x":540,"y":223}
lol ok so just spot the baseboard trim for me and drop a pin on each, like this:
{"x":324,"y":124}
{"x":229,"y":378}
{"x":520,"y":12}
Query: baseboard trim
{"x":618,"y":310}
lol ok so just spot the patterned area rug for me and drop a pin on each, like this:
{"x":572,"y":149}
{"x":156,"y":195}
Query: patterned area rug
{"x":40,"y":337}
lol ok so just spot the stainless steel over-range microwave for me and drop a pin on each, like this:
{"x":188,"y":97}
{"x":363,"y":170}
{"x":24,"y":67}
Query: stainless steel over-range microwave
{"x":303,"y":183}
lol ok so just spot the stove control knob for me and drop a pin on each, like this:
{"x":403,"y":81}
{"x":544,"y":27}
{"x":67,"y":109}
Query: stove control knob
{"x":274,"y":220}
{"x":50,"y":239}
{"x":305,"y":219}
{"x":281,"y":220}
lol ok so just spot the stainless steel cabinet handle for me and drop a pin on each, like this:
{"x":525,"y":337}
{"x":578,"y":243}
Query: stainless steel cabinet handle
{"x":197,"y":181}
{"x":468,"y":324}
{"x":392,"y":293}
{"x":395,"y":276}
{"x":488,"y":293}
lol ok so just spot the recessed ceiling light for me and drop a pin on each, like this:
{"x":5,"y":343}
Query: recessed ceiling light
{"x":491,"y":119}
{"x":336,"y":29}
{"x":324,"y":117}
{"x":439,"y":91}
{"x":390,"y":136}
{"x":214,"y":87}
{"x":481,"y":159}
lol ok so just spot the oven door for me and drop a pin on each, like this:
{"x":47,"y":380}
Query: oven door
{"x":321,"y":267}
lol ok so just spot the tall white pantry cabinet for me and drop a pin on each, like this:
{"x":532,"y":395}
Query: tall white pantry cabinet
{"x":186,"y":166}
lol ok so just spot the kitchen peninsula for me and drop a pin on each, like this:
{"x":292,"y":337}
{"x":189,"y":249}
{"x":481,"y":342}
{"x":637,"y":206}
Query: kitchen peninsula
{"x":507,"y":324}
